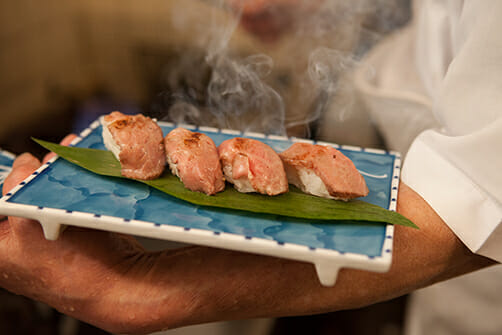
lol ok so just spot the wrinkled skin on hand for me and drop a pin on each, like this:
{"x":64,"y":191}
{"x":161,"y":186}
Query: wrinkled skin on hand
{"x":110,"y":281}
{"x":78,"y":273}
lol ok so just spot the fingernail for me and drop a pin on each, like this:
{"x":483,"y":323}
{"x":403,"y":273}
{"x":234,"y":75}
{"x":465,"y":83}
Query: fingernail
{"x":25,"y":158}
{"x":68,"y":139}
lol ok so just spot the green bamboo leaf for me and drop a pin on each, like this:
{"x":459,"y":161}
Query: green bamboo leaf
{"x":292,"y":204}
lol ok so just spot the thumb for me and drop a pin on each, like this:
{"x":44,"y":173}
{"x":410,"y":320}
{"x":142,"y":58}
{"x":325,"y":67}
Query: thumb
{"x":23,"y":166}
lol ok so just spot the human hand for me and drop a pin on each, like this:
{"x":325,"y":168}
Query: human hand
{"x":72,"y":274}
{"x":110,"y":281}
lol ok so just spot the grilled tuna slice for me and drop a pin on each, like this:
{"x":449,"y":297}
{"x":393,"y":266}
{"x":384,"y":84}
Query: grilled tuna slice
{"x":137,"y":142}
{"x":193,"y":157}
{"x":323,"y":171}
{"x":252,"y":166}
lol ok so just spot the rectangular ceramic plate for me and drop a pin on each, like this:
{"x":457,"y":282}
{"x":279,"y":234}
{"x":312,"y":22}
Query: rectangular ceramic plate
{"x":60,"y":194}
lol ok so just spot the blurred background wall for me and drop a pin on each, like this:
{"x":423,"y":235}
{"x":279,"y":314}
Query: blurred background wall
{"x":57,"y":56}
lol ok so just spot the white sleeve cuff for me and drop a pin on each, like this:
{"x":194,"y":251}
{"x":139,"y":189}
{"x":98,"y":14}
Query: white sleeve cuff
{"x":474,"y":216}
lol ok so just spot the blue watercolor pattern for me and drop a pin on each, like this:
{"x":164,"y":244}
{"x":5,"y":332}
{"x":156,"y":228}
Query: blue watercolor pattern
{"x":65,"y":186}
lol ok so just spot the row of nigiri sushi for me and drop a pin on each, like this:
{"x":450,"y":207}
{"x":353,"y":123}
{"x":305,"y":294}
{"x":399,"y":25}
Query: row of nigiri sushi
{"x":250,"y":165}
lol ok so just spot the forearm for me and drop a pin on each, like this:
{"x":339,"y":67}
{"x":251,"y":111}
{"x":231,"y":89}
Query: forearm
{"x":112,"y":284}
{"x":199,"y":284}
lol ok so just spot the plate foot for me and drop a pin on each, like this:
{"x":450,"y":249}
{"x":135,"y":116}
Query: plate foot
{"x":51,"y":230}
{"x":327,"y":273}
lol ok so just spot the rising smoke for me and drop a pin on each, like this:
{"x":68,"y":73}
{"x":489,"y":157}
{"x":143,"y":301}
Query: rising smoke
{"x":286,"y":83}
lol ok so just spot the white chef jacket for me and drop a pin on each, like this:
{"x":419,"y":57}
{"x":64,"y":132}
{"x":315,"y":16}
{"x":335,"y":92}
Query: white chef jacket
{"x":437,"y":85}
{"x":434,"y":91}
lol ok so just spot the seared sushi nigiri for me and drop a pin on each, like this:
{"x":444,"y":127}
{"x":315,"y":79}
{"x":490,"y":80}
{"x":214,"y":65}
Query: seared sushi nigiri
{"x":137,"y":142}
{"x":193,"y":157}
{"x":323,"y":171}
{"x":252,"y":166}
